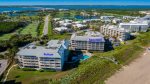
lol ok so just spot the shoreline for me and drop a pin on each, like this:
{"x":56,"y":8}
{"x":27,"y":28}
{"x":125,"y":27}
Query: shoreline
{"x":134,"y":73}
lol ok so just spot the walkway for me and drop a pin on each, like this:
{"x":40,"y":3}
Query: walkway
{"x":8,"y":73}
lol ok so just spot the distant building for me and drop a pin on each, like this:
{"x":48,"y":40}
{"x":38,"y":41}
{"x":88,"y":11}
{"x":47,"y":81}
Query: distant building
{"x":90,"y":40}
{"x":51,"y":56}
{"x":61,"y":29}
{"x":129,"y":17}
{"x":145,"y":12}
{"x":145,"y":19}
{"x":80,"y":26}
{"x":116,"y":20}
{"x":114,"y":31}
{"x":105,"y":17}
{"x":134,"y":27}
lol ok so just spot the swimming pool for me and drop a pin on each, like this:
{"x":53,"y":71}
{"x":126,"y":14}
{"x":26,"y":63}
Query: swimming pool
{"x":84,"y":57}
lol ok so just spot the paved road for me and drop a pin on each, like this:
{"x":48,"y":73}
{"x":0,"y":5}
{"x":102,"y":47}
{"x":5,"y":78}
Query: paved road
{"x":138,"y":72}
{"x":45,"y":30}
{"x":3,"y":66}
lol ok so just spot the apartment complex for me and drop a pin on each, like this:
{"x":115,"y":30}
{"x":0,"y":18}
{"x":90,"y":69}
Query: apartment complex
{"x":114,"y":31}
{"x":90,"y":40}
{"x":134,"y":27}
{"x":50,"y":57}
{"x":137,"y":25}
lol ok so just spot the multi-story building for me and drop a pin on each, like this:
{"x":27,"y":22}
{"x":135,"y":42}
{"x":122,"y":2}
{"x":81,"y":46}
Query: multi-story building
{"x":51,"y":56}
{"x":137,"y":25}
{"x":145,"y":20}
{"x":114,"y":31}
{"x":134,"y":27}
{"x":90,"y":40}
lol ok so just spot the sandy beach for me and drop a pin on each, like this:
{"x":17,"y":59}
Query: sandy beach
{"x":138,"y":72}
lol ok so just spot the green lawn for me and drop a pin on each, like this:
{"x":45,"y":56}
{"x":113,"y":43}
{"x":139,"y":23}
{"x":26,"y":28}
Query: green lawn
{"x":40,"y":29}
{"x":28,"y":77}
{"x":61,"y":36}
{"x":50,"y":29}
{"x":7,"y":36}
{"x":30,"y":29}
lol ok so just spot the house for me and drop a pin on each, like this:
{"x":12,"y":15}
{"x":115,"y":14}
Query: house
{"x":61,"y":29}
{"x":80,"y":26}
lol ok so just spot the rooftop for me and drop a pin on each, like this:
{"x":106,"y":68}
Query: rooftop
{"x":114,"y":27}
{"x":88,"y":35}
{"x":132,"y":23}
{"x":52,"y":49}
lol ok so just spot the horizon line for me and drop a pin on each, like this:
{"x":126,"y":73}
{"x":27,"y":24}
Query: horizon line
{"x":76,"y":4}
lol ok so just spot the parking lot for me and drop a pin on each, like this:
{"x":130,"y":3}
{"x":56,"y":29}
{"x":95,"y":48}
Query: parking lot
{"x":3,"y":66}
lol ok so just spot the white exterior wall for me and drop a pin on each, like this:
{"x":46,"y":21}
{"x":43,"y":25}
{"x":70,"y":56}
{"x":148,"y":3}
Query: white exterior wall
{"x":40,"y":63}
{"x":134,"y":28}
{"x":122,"y":35}
{"x":85,"y":45}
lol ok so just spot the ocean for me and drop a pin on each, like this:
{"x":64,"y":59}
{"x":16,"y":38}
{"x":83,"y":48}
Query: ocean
{"x":39,"y":7}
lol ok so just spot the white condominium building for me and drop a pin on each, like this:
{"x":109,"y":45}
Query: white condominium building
{"x":50,"y":57}
{"x":114,"y":31}
{"x":145,"y":19}
{"x":90,"y":40}
{"x":134,"y":27}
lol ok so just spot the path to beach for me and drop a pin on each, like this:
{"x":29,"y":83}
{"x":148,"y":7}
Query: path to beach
{"x":138,"y":72}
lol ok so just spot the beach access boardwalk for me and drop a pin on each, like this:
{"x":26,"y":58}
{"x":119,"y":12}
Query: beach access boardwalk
{"x":138,"y":72}
{"x":45,"y":30}
{"x":3,"y":66}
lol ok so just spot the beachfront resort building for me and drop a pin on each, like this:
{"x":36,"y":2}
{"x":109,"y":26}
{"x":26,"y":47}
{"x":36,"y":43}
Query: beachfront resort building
{"x":134,"y":27}
{"x":137,"y":25}
{"x":50,"y":57}
{"x":89,"y":40}
{"x":114,"y":31}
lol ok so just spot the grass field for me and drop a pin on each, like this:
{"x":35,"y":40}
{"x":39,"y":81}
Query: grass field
{"x":40,"y":29}
{"x":30,"y":29}
{"x":50,"y":29}
{"x":28,"y":77}
{"x":61,"y":36}
{"x":7,"y":36}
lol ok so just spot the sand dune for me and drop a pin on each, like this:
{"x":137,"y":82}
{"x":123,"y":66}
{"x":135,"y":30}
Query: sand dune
{"x":138,"y":72}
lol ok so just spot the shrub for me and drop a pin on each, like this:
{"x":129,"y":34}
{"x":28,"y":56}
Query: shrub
{"x":28,"y":69}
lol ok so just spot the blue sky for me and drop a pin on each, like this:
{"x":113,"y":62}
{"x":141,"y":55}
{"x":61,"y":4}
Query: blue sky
{"x":74,"y":2}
